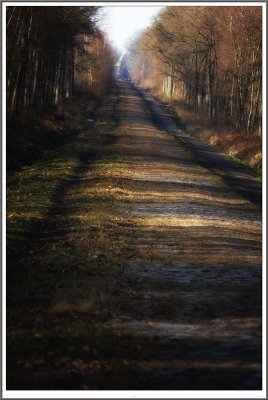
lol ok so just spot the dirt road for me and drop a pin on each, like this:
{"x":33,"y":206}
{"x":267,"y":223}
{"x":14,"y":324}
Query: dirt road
{"x":182,"y":309}
{"x":198,"y":264}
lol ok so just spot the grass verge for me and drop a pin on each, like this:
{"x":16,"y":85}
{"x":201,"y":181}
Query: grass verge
{"x":241,"y":146}
{"x":64,"y":238}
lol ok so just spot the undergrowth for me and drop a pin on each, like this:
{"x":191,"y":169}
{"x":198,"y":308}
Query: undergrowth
{"x":245,"y":147}
{"x":29,"y":136}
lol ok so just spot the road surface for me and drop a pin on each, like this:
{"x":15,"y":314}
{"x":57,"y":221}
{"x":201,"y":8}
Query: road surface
{"x":197,"y":257}
{"x":134,"y":261}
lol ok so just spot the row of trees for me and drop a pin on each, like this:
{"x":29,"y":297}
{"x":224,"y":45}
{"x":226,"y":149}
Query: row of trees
{"x":51,"y":53}
{"x":209,"y":57}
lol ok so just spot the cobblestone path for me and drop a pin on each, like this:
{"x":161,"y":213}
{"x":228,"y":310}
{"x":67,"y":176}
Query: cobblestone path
{"x":196,"y":262}
{"x":130,"y":265}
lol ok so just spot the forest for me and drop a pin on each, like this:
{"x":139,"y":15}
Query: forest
{"x":133,"y":209}
{"x":48,"y":70}
{"x":208,"y":59}
{"x":204,"y":62}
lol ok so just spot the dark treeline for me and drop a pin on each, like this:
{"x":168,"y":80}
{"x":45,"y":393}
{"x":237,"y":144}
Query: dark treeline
{"x":208,"y":57}
{"x":43,"y":47}
{"x":54,"y":55}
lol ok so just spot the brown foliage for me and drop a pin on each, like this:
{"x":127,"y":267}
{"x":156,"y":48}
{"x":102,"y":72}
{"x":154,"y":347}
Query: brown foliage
{"x":209,"y":57}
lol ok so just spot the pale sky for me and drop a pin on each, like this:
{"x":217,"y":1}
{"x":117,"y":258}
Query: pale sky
{"x":122,"y":22}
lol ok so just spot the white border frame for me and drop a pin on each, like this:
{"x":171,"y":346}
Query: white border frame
{"x":146,"y":394}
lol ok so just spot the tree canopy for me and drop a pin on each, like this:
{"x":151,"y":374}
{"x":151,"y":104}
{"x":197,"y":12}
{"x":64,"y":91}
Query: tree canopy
{"x":45,"y":45}
{"x":211,"y":57}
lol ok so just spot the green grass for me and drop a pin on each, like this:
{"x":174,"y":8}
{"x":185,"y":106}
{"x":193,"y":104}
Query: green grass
{"x":63,"y":246}
{"x":246,"y":168}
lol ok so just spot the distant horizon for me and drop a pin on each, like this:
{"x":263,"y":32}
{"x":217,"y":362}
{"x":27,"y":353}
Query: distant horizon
{"x":121,"y":23}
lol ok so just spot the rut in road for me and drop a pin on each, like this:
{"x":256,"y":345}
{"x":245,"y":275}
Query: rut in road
{"x":196,"y":262}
